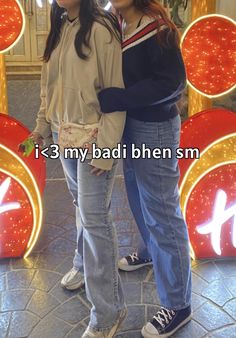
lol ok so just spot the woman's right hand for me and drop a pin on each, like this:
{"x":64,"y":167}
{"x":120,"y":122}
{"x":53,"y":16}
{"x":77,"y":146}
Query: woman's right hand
{"x":37,"y":138}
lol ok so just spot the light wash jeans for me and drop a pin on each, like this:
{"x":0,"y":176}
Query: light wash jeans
{"x":96,"y":254}
{"x":152,"y":189}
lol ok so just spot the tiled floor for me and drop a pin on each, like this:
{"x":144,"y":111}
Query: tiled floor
{"x":32,"y":303}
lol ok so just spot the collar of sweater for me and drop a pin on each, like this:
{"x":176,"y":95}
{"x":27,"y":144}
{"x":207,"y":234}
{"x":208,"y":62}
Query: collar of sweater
{"x":71,"y":23}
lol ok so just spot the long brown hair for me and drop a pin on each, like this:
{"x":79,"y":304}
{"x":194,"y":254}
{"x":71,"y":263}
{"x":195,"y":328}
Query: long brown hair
{"x":168,"y":38}
{"x":89,"y":13}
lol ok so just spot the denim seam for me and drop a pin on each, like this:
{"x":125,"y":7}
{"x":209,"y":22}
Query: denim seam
{"x":111,"y":233}
{"x":111,"y":236}
{"x":173,"y":131}
{"x":167,"y":216}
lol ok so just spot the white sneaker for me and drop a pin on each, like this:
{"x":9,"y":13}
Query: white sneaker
{"x":73,"y":280}
{"x":109,"y":333}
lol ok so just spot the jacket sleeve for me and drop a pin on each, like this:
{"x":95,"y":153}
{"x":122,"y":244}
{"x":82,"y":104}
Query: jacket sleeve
{"x":111,"y":126}
{"x":43,"y":127}
{"x":166,"y":83}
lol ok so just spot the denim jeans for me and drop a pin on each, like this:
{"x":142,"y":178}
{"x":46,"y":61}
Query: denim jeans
{"x":96,"y":253}
{"x":152,"y":189}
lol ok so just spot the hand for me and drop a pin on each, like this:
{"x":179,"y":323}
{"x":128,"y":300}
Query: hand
{"x":97,"y":171}
{"x":37,"y":138}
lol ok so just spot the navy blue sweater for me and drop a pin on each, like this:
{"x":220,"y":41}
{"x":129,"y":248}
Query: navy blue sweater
{"x":154,"y":78}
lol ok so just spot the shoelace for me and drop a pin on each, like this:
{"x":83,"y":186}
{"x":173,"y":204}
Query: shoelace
{"x":134,"y":256}
{"x":163,"y":316}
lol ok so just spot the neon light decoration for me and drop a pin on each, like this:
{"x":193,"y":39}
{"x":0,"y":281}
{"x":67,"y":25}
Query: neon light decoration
{"x":220,"y":216}
{"x":207,"y":185}
{"x":20,"y":198}
{"x":12,"y":24}
{"x":208,"y":47}
{"x":3,"y":190}
{"x":22,"y":182}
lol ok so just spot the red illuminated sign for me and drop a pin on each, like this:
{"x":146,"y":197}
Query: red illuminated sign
{"x":22,"y":181}
{"x":12,"y":23}
{"x":207,"y":184}
{"x":208,"y":47}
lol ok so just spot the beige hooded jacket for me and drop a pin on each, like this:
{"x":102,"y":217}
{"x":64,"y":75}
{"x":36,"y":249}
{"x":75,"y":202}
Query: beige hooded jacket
{"x":69,"y":86}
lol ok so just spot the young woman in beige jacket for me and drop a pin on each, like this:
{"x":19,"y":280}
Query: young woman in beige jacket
{"x":82,"y":57}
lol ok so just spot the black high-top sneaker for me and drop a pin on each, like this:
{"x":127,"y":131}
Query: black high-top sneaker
{"x":166,"y":322}
{"x":133,"y":262}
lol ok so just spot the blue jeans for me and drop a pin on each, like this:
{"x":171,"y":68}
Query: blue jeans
{"x":96,"y":254}
{"x":152,"y":189}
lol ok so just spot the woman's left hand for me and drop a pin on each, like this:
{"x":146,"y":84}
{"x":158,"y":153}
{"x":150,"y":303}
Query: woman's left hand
{"x":97,"y":171}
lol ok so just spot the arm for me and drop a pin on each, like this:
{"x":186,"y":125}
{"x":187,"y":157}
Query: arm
{"x":167,"y":82}
{"x":110,"y":62}
{"x":42,"y":125}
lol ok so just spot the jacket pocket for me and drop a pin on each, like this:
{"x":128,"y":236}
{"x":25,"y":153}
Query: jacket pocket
{"x":90,"y":109}
{"x":76,"y":109}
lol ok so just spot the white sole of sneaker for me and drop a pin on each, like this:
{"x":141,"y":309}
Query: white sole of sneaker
{"x":73,"y":287}
{"x":116,"y":327}
{"x":146,"y":334}
{"x":129,"y":268}
{"x":113,"y":330}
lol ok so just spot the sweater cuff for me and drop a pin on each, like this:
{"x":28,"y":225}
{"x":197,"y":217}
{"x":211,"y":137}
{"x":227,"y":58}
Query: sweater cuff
{"x":44,"y":131}
{"x":110,"y":99}
{"x":101,"y":163}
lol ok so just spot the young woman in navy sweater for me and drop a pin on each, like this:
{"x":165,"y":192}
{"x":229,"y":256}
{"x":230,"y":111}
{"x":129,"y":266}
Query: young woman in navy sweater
{"x":154,"y":77}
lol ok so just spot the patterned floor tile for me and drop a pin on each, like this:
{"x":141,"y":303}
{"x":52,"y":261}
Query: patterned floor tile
{"x":42,"y":303}
{"x":230,"y":308}
{"x":19,"y":279}
{"x":22,"y":324}
{"x":4,"y":323}
{"x":138,"y":275}
{"x":230,"y":283}
{"x":15,"y":299}
{"x":48,"y":262}
{"x":61,"y":245}
{"x":151,"y":311}
{"x":197,"y":301}
{"x":24,"y":263}
{"x":135,"y":318}
{"x":211,"y":317}
{"x":2,"y":282}
{"x":229,"y":332}
{"x":199,"y":284}
{"x":132,"y":291}
{"x":190,"y":330}
{"x":51,"y":327}
{"x":62,"y":294}
{"x":217,"y":293}
{"x":72,"y":311}
{"x":129,"y":334}
{"x":208,"y":271}
{"x":77,"y":331}
{"x":45,"y":280}
{"x":227,"y":267}
{"x":65,"y":265}
{"x":149,"y":293}
{"x":5,"y":266}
